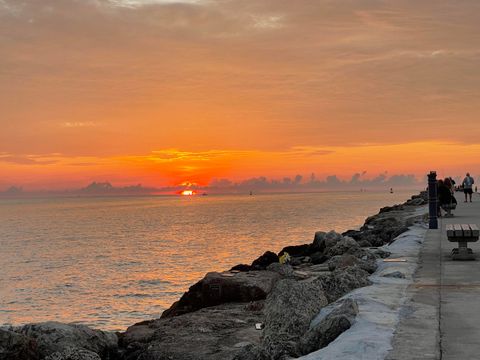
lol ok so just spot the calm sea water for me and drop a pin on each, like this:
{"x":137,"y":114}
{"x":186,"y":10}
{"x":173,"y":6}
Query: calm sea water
{"x":111,"y":262}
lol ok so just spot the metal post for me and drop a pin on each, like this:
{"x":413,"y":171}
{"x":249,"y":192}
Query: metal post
{"x":432,"y":200}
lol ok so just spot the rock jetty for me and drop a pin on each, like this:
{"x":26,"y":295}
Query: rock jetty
{"x":258,"y":311}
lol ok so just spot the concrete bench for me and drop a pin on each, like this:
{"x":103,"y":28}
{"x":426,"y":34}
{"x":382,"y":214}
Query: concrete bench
{"x":463,"y":234}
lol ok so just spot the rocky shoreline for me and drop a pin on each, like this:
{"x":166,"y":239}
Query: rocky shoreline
{"x":259,"y":311}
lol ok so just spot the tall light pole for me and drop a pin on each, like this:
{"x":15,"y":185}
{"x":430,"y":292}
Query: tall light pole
{"x":432,"y":201}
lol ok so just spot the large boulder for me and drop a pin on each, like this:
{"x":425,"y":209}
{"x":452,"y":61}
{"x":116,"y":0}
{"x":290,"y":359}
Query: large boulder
{"x":318,"y":258}
{"x":329,"y":328}
{"x":218,"y":288}
{"x":324,"y":241}
{"x":318,"y":244}
{"x":52,"y":337}
{"x":296,"y":250}
{"x":381,"y":253}
{"x":252,"y":352}
{"x":241,"y":267}
{"x":17,"y":346}
{"x":263,"y":261}
{"x":384,"y":226}
{"x":364,"y":238}
{"x":213,"y":333}
{"x":284,"y":270}
{"x":346,"y":260}
{"x":398,"y":207}
{"x":289,"y":309}
{"x":342,"y":281}
{"x":369,"y":238}
{"x":345,"y":245}
{"x":417,"y":201}
{"x":354,"y":234}
{"x":74,"y":354}
{"x":331,"y":238}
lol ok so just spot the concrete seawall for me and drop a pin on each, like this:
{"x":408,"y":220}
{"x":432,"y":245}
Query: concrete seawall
{"x":444,"y":321}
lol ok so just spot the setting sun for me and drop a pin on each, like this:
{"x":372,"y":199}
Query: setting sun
{"x":187,"y":193}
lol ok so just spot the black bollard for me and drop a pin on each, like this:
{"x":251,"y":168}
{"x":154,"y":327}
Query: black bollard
{"x":432,"y":200}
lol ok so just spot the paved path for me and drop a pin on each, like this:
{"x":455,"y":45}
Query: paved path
{"x":442,"y":320}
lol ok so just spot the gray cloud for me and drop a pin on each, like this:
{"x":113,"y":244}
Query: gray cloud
{"x":332,"y":182}
{"x":25,"y":160}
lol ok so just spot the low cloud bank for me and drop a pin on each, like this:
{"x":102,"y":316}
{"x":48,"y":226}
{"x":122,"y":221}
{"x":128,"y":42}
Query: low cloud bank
{"x":332,"y":182}
{"x":297,"y":183}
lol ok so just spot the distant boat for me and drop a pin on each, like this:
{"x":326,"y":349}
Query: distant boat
{"x":251,"y":192}
{"x":391,"y":190}
{"x":204,"y":194}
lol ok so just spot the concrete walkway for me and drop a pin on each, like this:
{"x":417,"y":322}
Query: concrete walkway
{"x":442,"y":319}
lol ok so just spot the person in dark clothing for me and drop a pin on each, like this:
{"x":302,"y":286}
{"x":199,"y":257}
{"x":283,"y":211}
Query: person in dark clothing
{"x":446,"y":200}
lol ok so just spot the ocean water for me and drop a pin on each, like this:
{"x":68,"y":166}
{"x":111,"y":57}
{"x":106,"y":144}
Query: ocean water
{"x":111,"y":262}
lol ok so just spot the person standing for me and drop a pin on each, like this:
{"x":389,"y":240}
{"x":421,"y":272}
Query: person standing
{"x":467,"y":186}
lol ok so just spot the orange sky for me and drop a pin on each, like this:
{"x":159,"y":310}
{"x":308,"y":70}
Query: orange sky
{"x":162,"y":92}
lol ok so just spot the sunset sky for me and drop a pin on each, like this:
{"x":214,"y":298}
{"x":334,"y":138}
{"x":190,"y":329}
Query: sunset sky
{"x":164,"y":92}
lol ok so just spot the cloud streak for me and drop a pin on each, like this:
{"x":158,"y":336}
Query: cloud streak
{"x":26,"y":160}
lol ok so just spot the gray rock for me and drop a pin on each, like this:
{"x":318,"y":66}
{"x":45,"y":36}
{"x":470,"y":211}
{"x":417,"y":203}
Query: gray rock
{"x":263,"y":261}
{"x":369,"y":237}
{"x":296,"y":250}
{"x":346,"y":260}
{"x":289,"y":309}
{"x":364,"y":254}
{"x":318,"y":258}
{"x":319,"y":241}
{"x":252,"y":352}
{"x":342,"y":281}
{"x":345,"y":245}
{"x":323,"y":241}
{"x":382,"y":254}
{"x":255,"y":305}
{"x":329,"y":328}
{"x":318,"y":268}
{"x":217,"y":288}
{"x":296,"y":260}
{"x":54,"y":337}
{"x":156,"y":352}
{"x":211,"y":333}
{"x":74,"y":354}
{"x":364,"y":243}
{"x":395,"y":274}
{"x":417,"y":202}
{"x":331,"y":238}
{"x":283,"y":270}
{"x":334,"y":261}
{"x":16,"y":346}
{"x":385,"y":226}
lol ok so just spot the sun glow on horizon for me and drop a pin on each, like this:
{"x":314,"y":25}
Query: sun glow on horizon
{"x":187,"y":193}
{"x":59,"y":171}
